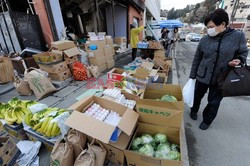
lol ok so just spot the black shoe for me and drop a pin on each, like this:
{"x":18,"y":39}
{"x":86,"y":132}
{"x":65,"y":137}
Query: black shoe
{"x":193,"y":115}
{"x":204,"y":126}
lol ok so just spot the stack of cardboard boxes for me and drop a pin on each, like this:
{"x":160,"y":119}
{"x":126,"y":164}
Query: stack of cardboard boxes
{"x":103,"y":56}
{"x":59,"y":60}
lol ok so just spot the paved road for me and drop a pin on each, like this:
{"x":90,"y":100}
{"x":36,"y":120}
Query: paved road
{"x":227,"y":141}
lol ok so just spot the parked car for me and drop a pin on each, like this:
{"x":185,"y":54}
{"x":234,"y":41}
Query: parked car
{"x":194,"y":37}
{"x":183,"y":35}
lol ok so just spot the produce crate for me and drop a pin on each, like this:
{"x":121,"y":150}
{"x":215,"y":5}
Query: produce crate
{"x":16,"y":131}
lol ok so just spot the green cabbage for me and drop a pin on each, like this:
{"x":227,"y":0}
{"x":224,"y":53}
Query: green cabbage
{"x":175,"y":147}
{"x":168,"y":98}
{"x":147,"y":139}
{"x":160,"y":154}
{"x":160,"y":138}
{"x":147,"y":149}
{"x":173,"y":155}
{"x":136,"y":143}
{"x":164,"y":148}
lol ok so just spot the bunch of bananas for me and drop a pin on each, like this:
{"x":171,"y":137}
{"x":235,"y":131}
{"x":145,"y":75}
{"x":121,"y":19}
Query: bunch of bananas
{"x":15,"y":110}
{"x":42,"y":122}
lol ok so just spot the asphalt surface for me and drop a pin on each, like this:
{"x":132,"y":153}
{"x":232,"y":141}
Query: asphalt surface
{"x":227,"y":141}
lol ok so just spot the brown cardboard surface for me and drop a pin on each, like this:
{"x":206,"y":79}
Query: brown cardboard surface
{"x":160,"y":54}
{"x":162,"y":64}
{"x":60,"y":76}
{"x":70,"y":60}
{"x":96,"y":53}
{"x":8,"y":151}
{"x":72,"y":52}
{"x":57,"y":52}
{"x":115,"y":155}
{"x":155,"y":45}
{"x":120,"y":40}
{"x":102,"y":67}
{"x":62,"y":45}
{"x":98,"y":129}
{"x":134,"y":158}
{"x":110,"y":42}
{"x":97,"y":61}
{"x":108,"y":51}
{"x":47,"y":57}
{"x":110,"y":64}
{"x":159,"y":112}
{"x":56,"y":68}
{"x":7,"y":71}
{"x":147,"y":65}
{"x":99,"y":43}
{"x":109,"y":58}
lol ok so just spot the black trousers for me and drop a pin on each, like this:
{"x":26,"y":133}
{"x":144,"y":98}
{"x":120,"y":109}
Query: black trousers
{"x":214,"y":99}
{"x":134,"y":51}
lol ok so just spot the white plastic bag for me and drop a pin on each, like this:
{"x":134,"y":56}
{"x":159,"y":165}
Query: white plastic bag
{"x":188,"y":92}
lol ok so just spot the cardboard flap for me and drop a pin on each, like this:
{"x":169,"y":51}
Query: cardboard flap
{"x":147,"y":65}
{"x":153,"y":73}
{"x":72,"y":52}
{"x":142,"y":72}
{"x":78,"y":121}
{"x":79,"y":103}
{"x":128,"y":121}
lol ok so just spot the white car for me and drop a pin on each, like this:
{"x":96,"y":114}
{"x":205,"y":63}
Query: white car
{"x":194,"y":37}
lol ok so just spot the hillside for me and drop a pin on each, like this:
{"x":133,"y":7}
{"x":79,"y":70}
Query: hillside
{"x":193,"y":14}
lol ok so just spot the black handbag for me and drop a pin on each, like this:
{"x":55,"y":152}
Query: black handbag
{"x":236,"y":82}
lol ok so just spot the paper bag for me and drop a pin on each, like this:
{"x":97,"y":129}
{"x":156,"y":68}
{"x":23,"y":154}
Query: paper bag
{"x":22,"y":86}
{"x":100,"y":152}
{"x":39,"y":82}
{"x":62,"y":153}
{"x":94,"y":70}
{"x":86,"y":158}
{"x":78,"y":140}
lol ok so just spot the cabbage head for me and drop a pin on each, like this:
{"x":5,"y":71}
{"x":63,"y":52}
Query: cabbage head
{"x":147,"y":149}
{"x":160,"y":138}
{"x":160,"y":154}
{"x":173,"y":155}
{"x":169,"y":98}
{"x":175,"y":147}
{"x":164,"y":148}
{"x":136,"y":143}
{"x":147,"y":139}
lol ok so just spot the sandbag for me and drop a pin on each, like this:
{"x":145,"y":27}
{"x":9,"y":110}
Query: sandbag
{"x":86,"y":158}
{"x":63,"y":153}
{"x":78,"y":140}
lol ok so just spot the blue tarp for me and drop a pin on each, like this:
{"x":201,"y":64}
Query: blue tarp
{"x":166,"y":23}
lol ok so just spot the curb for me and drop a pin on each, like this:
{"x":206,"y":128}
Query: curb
{"x":184,"y":150}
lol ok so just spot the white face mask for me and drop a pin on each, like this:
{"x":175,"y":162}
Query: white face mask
{"x":212,"y":32}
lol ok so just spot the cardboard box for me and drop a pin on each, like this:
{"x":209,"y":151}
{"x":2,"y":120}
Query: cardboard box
{"x":120,"y":40}
{"x":134,"y":158}
{"x":98,"y":129}
{"x":33,"y":136}
{"x":97,"y":61}
{"x":161,"y":64}
{"x":102,"y":67}
{"x":154,"y":45}
{"x":30,"y":62}
{"x":158,"y":112}
{"x":47,"y":58}
{"x":115,"y":75}
{"x":99,"y":43}
{"x":160,"y":54}
{"x":108,"y":51}
{"x":96,"y":53}
{"x":62,"y":45}
{"x":110,"y":64}
{"x":61,"y":76}
{"x":56,"y":68}
{"x":109,"y":42}
{"x":70,"y":55}
{"x":16,"y":131}
{"x":162,"y":77}
{"x":140,"y":78}
{"x":7,"y":71}
{"x":9,"y":152}
{"x":109,"y":58}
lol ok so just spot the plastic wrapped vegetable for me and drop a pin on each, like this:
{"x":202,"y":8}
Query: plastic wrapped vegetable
{"x":136,"y":143}
{"x":175,"y":147}
{"x":160,"y":138}
{"x":147,"y":149}
{"x":147,"y":139}
{"x":164,"y":148}
{"x":168,"y":98}
{"x":160,"y":154}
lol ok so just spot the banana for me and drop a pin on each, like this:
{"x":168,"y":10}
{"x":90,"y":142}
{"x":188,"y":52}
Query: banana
{"x":25,"y":110}
{"x":49,"y":129}
{"x":28,"y":118}
{"x":38,"y":126}
{"x":19,"y":117}
{"x":22,"y":114}
{"x":8,"y":118}
{"x":47,"y":125}
{"x":44,"y":123}
{"x":58,"y":131}
{"x":54,"y":130}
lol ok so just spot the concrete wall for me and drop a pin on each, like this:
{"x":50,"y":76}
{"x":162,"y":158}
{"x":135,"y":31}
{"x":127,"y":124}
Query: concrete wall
{"x":154,"y":7}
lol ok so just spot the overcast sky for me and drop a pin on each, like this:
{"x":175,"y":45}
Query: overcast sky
{"x":177,"y":4}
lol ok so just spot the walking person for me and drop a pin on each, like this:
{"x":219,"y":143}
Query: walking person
{"x":220,"y":50}
{"x":165,"y":38}
{"x":134,"y":38}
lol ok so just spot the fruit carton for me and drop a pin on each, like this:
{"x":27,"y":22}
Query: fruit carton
{"x":16,"y":131}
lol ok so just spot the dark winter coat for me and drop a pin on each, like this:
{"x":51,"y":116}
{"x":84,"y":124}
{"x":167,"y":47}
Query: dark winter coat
{"x":214,"y":53}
